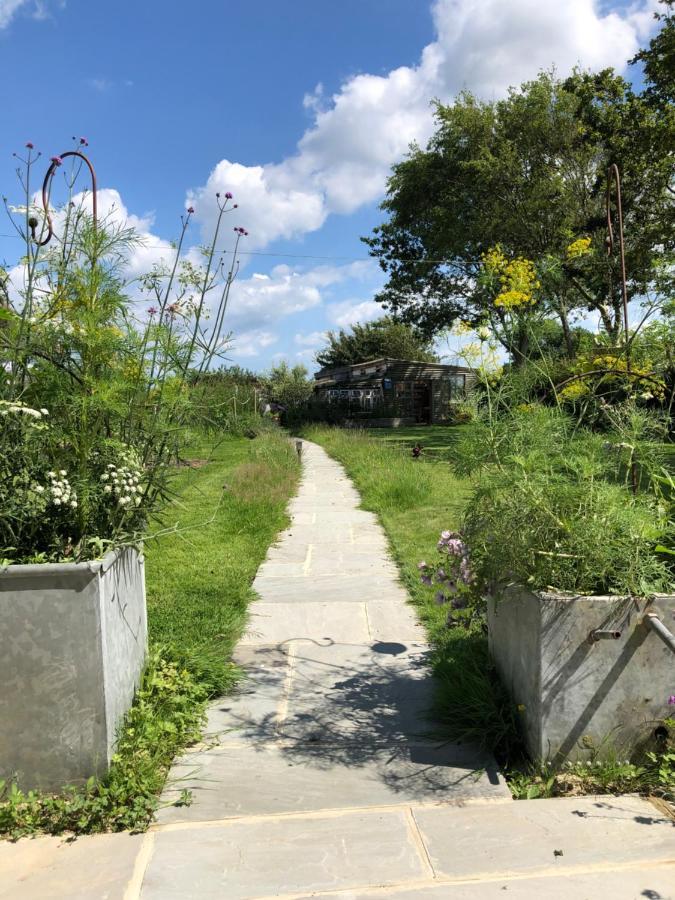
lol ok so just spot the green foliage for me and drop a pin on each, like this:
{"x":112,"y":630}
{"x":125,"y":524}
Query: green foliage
{"x":93,"y":393}
{"x":647,"y":770}
{"x":167,"y":715}
{"x":228,"y":400}
{"x":528,"y":174}
{"x":568,"y":532}
{"x":383,"y":338}
{"x":290,"y":389}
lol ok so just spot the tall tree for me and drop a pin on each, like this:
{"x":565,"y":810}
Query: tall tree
{"x":526,"y":174}
{"x":384,"y":337}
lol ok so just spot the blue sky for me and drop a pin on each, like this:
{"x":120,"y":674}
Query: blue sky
{"x":299,"y":109}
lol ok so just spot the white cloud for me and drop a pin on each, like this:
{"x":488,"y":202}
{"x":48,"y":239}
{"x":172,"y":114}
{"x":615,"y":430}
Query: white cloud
{"x":39,"y":10}
{"x":349,"y":312}
{"x":8,"y":9}
{"x":250,"y":343}
{"x":343,"y":159}
{"x":261,"y":300}
{"x":312,"y":340}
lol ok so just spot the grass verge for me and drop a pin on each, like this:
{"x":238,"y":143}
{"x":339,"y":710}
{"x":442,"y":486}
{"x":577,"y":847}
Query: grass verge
{"x":229,"y":505}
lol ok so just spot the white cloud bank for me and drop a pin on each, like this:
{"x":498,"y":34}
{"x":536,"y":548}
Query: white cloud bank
{"x":39,"y":9}
{"x":343,"y":159}
{"x":8,"y":9}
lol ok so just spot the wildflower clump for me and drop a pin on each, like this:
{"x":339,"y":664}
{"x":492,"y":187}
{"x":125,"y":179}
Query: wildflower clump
{"x":61,"y":492}
{"x":515,"y":280}
{"x":123,"y":484}
{"x":577,"y":249}
{"x":452,"y":578}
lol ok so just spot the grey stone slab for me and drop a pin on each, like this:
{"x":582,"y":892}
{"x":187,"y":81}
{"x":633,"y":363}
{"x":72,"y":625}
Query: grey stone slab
{"x":276,"y":778}
{"x":343,"y":588}
{"x":655,"y":882}
{"x":280,"y":569}
{"x":354,"y":560}
{"x":303,"y":518}
{"x":344,"y":516}
{"x":250,"y":711}
{"x":324,"y":502}
{"x":98,"y":867}
{"x":283,"y":856}
{"x":394,"y":621}
{"x":522,"y":837}
{"x":290,"y":551}
{"x":280,"y":622}
{"x":316,"y":534}
{"x":378,"y":694}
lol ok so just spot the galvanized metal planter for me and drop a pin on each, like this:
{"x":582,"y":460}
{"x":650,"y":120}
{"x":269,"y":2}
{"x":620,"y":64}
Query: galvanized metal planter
{"x":585,"y":670}
{"x":73,"y":638}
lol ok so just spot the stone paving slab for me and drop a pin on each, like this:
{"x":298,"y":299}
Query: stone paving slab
{"x":655,"y":882}
{"x":281,"y":856}
{"x":523,"y":837}
{"x":279,"y":778}
{"x":96,"y":867}
{"x":340,"y":588}
{"x":334,"y":535}
{"x":394,"y":622}
{"x":279,"y":621}
{"x":374,"y":694}
{"x":249,"y":713}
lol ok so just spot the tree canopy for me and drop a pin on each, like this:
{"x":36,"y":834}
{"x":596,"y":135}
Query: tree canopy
{"x":384,"y":337}
{"x":289,"y":387}
{"x":527,"y":175}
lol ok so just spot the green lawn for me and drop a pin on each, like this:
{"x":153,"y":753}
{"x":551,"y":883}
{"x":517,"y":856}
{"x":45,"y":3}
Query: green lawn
{"x":438,"y":441}
{"x":416,"y":500}
{"x":226,"y":513}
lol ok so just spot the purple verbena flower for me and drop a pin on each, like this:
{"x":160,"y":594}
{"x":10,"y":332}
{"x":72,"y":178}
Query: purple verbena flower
{"x":190,"y":210}
{"x":57,"y":160}
{"x":152,"y":310}
{"x":422,"y":565}
{"x":29,"y":145}
{"x":84,"y":142}
{"x":426,"y":579}
{"x":228,"y":195}
{"x":671,"y":700}
{"x":440,"y":598}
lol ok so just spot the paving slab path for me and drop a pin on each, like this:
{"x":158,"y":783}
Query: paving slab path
{"x":324,"y":774}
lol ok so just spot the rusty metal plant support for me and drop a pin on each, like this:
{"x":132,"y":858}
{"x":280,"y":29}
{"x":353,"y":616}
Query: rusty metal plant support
{"x":46,"y":184}
{"x":613,"y":176}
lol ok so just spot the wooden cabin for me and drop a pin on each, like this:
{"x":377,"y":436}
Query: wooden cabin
{"x":391,"y":392}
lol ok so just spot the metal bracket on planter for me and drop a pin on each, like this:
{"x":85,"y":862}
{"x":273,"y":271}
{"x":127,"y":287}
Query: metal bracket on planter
{"x":652,"y":621}
{"x":601,"y":634}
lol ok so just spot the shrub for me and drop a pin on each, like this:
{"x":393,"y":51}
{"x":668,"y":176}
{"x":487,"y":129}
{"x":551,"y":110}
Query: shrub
{"x":551,"y":531}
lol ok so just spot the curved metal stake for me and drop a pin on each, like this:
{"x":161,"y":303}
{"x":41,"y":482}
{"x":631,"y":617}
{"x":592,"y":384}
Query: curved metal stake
{"x":33,"y":223}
